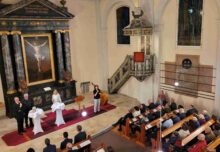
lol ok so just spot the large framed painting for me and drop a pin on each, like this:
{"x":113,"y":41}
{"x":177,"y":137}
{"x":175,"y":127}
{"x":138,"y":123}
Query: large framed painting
{"x":38,"y":58}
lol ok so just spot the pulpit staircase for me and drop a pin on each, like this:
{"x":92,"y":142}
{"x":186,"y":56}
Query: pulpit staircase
{"x":140,"y":70}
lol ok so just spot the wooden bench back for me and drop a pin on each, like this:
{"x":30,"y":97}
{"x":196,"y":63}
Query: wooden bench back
{"x":78,"y":145}
{"x":175,"y":126}
{"x":212,"y":146}
{"x":196,"y":132}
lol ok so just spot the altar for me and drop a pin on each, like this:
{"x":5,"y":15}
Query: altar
{"x":35,"y":55}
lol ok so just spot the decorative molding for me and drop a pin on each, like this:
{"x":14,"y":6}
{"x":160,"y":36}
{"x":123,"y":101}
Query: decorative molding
{"x":61,"y":81}
{"x":61,"y":31}
{"x":15,"y":32}
{"x":11,"y":91}
{"x":4,"y":33}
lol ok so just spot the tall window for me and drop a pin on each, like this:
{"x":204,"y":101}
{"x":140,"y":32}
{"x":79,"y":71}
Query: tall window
{"x":123,"y":19}
{"x":190,"y":22}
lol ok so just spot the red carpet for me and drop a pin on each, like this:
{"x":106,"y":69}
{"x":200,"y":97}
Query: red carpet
{"x":70,"y":116}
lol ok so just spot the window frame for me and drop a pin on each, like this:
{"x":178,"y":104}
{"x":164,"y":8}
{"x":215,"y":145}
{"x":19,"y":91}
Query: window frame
{"x":184,"y":47}
{"x":117,"y":24}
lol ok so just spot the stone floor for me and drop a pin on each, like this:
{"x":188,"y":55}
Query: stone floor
{"x":92,"y":126}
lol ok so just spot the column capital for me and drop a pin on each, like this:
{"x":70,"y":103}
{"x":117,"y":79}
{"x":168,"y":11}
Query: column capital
{"x":15,"y":32}
{"x":4,"y":32}
{"x":11,"y":91}
{"x":61,"y":31}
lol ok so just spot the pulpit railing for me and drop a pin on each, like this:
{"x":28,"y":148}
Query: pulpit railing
{"x":140,"y":70}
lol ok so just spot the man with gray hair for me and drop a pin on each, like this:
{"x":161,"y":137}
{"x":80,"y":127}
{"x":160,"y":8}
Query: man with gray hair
{"x":19,"y":115}
{"x":27,"y":107}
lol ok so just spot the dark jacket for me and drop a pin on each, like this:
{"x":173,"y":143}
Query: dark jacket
{"x":18,"y":111}
{"x":50,"y":148}
{"x":176,"y":119}
{"x":182,"y":115}
{"x":27,"y":105}
{"x":80,"y":137}
{"x":191,"y":111}
{"x":64,"y":143}
{"x":173,"y":106}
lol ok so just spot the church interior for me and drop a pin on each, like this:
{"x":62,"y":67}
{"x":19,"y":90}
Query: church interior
{"x":109,"y":75}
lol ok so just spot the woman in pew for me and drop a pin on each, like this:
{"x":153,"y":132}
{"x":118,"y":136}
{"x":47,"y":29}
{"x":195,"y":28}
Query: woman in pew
{"x":201,"y":119}
{"x":184,"y":131}
{"x":169,"y":142}
{"x":122,"y":120}
{"x":182,"y":113}
{"x":136,"y":112}
{"x":143,"y":108}
{"x":200,"y":145}
{"x":175,"y":118}
{"x":206,"y":115}
{"x":216,"y":128}
{"x":194,"y":124}
{"x":167,"y":123}
{"x":209,"y":135}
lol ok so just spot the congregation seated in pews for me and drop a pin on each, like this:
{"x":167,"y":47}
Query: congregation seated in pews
{"x":170,"y":127}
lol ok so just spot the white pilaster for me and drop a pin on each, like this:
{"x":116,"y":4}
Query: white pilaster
{"x":217,"y":89}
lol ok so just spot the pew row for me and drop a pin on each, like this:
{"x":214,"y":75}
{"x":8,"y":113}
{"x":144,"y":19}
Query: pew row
{"x":212,"y":146}
{"x":141,"y":138}
{"x":175,"y":126}
{"x":197,"y":132}
{"x":84,"y":145}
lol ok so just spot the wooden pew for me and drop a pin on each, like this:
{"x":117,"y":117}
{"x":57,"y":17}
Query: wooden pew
{"x":175,"y":126}
{"x":197,"y":132}
{"x":126,"y":129}
{"x":156,"y":121}
{"x":141,"y":138}
{"x":168,"y":131}
{"x":212,"y":146}
{"x":101,"y":148}
{"x":81,"y":145}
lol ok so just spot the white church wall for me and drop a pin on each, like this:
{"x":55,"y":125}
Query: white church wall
{"x":207,"y":51}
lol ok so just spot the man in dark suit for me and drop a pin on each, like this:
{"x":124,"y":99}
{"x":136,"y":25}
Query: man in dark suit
{"x":49,"y":147}
{"x":27,"y":107}
{"x":80,"y":136}
{"x":19,"y":115}
{"x":65,"y":141}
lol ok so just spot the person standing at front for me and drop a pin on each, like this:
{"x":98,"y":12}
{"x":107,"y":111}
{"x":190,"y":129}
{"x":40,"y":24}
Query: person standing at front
{"x":96,"y":93}
{"x":27,"y":107}
{"x":19,"y":115}
{"x":58,"y":106}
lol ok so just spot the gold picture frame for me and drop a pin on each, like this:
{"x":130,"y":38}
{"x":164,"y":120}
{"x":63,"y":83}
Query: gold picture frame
{"x":38,"y":58}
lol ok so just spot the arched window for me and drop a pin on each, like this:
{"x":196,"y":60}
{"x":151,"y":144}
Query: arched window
{"x":190,"y":22}
{"x":123,"y":19}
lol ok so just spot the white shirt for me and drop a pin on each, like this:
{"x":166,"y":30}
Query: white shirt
{"x":183,"y":133}
{"x":136,"y":113}
{"x":56,"y":98}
